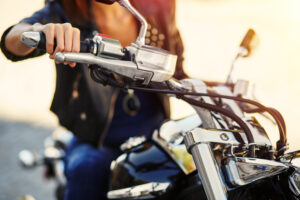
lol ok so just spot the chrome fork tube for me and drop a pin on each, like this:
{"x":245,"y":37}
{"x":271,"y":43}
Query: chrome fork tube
{"x":207,"y":169}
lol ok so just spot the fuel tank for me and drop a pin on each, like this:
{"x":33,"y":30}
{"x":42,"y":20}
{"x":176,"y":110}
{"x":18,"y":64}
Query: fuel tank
{"x":157,"y":169}
{"x":145,"y":168}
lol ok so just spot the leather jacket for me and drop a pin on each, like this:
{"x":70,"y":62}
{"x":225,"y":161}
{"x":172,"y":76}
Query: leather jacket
{"x":88,"y":114}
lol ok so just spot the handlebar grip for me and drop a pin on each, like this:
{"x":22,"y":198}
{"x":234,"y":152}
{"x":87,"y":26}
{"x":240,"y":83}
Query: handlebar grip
{"x":38,"y":40}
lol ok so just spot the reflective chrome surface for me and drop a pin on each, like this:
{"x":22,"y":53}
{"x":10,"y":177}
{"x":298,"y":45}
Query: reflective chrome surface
{"x":155,"y":66}
{"x":196,"y":85}
{"x":162,"y":63}
{"x":294,"y":182}
{"x":170,"y":129}
{"x":170,"y":137}
{"x":200,"y":135}
{"x":209,"y":172}
{"x":198,"y":143}
{"x":259,"y":135}
{"x":230,"y":103}
{"x":143,"y":164}
{"x":241,"y":88}
{"x":143,"y":30}
{"x":28,"y":158}
{"x":108,"y":47}
{"x":132,"y":142}
{"x":242,"y":171}
{"x":293,"y":157}
{"x":140,"y":191}
{"x":31,"y":38}
{"x":125,"y":68}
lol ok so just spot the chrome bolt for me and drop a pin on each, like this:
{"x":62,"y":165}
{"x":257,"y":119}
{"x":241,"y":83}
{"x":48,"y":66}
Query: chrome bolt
{"x":224,"y":137}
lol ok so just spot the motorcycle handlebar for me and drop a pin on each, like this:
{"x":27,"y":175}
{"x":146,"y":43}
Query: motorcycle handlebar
{"x":129,"y":69}
{"x":38,"y":40}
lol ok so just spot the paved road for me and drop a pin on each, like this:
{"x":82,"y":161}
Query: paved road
{"x":15,"y":181}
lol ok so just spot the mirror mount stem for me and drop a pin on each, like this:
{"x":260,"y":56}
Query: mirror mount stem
{"x":140,"y":41}
{"x":229,"y":76}
{"x":244,"y":51}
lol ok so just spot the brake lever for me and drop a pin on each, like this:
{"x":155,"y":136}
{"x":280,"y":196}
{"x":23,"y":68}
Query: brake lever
{"x":125,"y":68}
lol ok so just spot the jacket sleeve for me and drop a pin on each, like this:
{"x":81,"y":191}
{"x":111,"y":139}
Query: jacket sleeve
{"x":51,"y":13}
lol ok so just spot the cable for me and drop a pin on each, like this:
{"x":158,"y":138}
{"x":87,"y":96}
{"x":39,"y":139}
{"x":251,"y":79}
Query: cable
{"x":274,"y":113}
{"x":229,"y":114}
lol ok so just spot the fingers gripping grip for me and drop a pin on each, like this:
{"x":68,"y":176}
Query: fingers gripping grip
{"x":38,"y":40}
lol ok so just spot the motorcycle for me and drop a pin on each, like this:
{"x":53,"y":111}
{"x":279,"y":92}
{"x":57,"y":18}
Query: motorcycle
{"x":221,"y":152}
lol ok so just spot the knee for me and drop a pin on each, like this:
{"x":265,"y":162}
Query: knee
{"x":79,"y":168}
{"x":87,"y":166}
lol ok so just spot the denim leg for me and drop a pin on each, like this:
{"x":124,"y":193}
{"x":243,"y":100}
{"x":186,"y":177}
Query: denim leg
{"x":87,"y":171}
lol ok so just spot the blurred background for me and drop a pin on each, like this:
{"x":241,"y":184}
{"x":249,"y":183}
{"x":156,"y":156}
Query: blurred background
{"x":211,"y":30}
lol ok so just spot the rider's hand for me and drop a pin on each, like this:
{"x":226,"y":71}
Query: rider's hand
{"x":67,"y":38}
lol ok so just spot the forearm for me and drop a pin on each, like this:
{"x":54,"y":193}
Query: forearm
{"x":13,"y":41}
{"x":66,"y":37}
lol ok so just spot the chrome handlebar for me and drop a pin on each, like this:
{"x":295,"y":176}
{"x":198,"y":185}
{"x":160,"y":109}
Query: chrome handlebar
{"x":125,"y":68}
{"x":143,"y":63}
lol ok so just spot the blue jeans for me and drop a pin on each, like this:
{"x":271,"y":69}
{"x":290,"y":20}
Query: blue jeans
{"x":87,"y":170}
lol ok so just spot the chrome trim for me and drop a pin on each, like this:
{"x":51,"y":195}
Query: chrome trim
{"x":125,"y":68}
{"x":242,"y":171}
{"x":154,"y":66}
{"x":170,"y":138}
{"x":294,"y":183}
{"x":156,"y":60}
{"x":31,"y":39}
{"x":143,"y":30}
{"x":241,"y":87}
{"x":198,"y":144}
{"x":296,"y":162}
{"x":196,"y":85}
{"x":140,"y":191}
{"x":29,"y":159}
{"x":231,"y":103}
{"x":200,"y":135}
{"x":169,"y":129}
{"x":290,"y":156}
{"x":132,"y":142}
{"x":108,"y":47}
{"x":260,"y":137}
{"x":209,"y":172}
